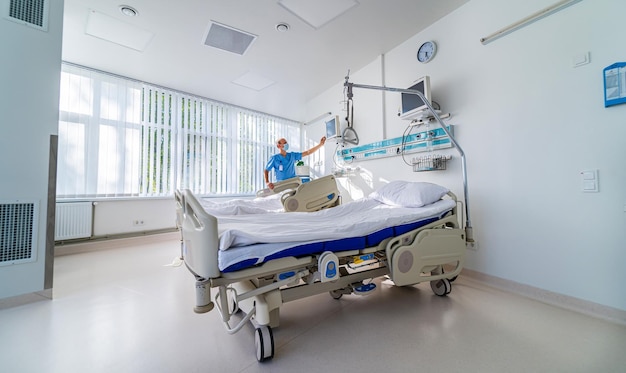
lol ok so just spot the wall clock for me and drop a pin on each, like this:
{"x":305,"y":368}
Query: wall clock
{"x":426,"y":51}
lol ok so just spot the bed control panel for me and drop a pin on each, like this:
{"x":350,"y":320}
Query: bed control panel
{"x":327,"y":264}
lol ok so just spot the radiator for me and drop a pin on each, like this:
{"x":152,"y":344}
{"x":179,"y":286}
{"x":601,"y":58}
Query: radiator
{"x":73,"y":220}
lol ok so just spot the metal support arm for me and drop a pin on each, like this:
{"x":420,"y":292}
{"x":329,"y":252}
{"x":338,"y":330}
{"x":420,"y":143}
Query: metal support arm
{"x":469,"y":236}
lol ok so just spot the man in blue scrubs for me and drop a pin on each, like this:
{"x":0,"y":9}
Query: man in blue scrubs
{"x":284,"y":163}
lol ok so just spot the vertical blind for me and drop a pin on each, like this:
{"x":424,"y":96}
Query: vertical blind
{"x":123,"y":138}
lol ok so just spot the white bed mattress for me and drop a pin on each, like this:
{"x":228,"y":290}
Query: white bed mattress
{"x":257,"y":236}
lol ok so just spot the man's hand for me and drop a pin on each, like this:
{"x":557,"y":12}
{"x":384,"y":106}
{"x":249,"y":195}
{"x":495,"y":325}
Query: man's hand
{"x":315,"y":148}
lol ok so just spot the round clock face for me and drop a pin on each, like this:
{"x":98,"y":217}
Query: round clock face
{"x":427,"y":51}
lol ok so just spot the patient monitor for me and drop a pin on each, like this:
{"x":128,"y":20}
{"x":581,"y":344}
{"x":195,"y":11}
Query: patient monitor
{"x":333,"y":128}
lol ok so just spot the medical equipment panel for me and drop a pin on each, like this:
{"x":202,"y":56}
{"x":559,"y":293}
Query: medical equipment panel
{"x":423,"y":141}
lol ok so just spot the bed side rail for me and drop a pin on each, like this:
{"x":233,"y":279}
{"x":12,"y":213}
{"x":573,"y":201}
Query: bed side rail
{"x":280,"y":186}
{"x":200,"y":238}
{"x":312,"y":196}
{"x":455,"y":210}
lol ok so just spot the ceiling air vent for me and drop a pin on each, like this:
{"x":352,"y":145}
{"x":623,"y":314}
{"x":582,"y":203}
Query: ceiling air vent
{"x":18,"y":223}
{"x":228,"y":38}
{"x":32,"y":13}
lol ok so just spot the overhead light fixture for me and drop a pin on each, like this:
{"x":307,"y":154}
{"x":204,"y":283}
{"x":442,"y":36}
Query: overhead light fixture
{"x":528,"y":20}
{"x":128,"y":11}
{"x":282,"y":27}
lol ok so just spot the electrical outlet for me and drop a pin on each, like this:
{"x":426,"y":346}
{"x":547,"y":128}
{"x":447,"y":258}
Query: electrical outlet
{"x":472,"y":245}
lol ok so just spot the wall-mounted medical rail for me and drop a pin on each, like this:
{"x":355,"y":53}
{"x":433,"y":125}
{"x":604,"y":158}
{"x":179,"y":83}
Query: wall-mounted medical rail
{"x":418,"y":142}
{"x":469,"y":235}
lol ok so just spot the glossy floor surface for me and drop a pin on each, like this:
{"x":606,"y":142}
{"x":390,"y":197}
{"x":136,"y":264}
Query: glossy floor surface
{"x":122,"y":310}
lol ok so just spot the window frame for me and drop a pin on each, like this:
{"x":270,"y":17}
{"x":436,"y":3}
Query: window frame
{"x":181,"y":141}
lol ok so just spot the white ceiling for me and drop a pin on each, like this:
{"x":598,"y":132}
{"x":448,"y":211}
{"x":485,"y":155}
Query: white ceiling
{"x":300,"y":64}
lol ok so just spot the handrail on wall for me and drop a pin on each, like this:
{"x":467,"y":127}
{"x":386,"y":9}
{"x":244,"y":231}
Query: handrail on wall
{"x":469,"y":235}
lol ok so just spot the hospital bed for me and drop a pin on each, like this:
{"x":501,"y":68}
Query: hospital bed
{"x":255,"y":269}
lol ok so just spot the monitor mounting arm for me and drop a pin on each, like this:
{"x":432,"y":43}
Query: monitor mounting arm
{"x":469,"y":236}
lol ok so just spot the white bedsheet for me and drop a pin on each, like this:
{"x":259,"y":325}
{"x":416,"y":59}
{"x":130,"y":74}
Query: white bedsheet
{"x":240,"y":206}
{"x":369,"y":216}
{"x":353,"y":219}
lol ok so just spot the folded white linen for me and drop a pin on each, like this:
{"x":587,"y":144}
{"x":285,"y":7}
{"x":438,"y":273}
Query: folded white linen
{"x":242,"y":206}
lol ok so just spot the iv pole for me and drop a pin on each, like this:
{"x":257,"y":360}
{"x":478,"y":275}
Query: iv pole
{"x":469,"y":235}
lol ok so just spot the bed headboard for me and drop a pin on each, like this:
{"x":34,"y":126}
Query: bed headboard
{"x":200,"y":238}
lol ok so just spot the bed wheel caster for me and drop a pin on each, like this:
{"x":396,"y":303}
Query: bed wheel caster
{"x":264,"y":343}
{"x":451,"y":279}
{"x":336,"y":294}
{"x":441,"y":287}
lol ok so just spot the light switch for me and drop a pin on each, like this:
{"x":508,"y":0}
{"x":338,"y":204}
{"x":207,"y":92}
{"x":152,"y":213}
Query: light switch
{"x":590,"y":186}
{"x":590,"y":182}
{"x":581,"y":59}
{"x":588,"y":175}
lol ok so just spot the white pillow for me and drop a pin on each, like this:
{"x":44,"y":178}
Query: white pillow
{"x":409,"y":194}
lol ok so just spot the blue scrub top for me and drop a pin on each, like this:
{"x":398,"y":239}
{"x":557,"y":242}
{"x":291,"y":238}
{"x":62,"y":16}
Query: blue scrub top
{"x":284,"y":167}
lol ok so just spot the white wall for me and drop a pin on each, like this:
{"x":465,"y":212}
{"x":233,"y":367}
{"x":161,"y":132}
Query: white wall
{"x":529,"y":123}
{"x":132,"y":216}
{"x":30,"y":68}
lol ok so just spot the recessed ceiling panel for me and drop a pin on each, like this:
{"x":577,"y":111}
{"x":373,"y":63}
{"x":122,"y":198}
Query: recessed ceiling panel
{"x":317,"y":13}
{"x":118,"y":32}
{"x":228,"y":38}
{"x":253,"y":81}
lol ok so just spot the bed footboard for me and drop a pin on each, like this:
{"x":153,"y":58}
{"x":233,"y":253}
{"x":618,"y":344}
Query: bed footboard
{"x":422,"y":258}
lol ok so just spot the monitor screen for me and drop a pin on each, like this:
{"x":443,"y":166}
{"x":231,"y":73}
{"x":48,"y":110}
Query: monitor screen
{"x":332,"y":127}
{"x":412,"y":105}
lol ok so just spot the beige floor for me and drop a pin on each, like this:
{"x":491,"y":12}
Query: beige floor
{"x":122,"y":310}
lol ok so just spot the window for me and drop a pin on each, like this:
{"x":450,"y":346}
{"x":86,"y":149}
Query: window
{"x":123,"y":138}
